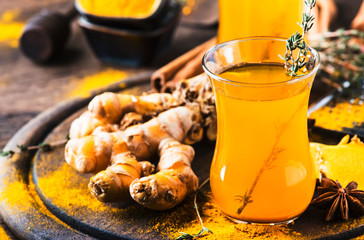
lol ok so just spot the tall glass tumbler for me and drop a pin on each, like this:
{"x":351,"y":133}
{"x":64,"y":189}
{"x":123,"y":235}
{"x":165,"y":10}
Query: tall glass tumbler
{"x":262,"y":171}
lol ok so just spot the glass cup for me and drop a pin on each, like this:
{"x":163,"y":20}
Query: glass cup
{"x":262,"y":170}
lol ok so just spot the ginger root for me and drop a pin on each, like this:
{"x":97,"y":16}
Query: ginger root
{"x":86,"y":124}
{"x":141,"y":142}
{"x":114,"y":140}
{"x":174,"y":181}
{"x":112,"y":185}
{"x":108,"y":109}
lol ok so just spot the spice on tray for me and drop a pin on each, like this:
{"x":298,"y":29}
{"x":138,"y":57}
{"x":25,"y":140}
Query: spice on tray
{"x":343,"y":202}
{"x":223,"y":228}
{"x":340,"y":116}
{"x":76,"y":201}
{"x":22,"y":197}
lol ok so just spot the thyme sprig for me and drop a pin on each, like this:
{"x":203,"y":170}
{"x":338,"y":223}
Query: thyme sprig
{"x":247,"y":198}
{"x":342,"y":62}
{"x":297,"y":41}
{"x":203,"y":228}
{"x":45,"y":147}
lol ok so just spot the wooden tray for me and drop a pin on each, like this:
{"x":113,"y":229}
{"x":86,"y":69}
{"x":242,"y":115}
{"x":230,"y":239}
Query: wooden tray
{"x":43,"y":207}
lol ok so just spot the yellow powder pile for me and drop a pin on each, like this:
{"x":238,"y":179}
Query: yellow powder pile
{"x":223,"y":228}
{"x":75,"y":192}
{"x":10,"y":29}
{"x":83,"y":86}
{"x":23,"y":197}
{"x":3,"y":234}
{"x":75,"y":196}
{"x":119,"y":8}
{"x":342,"y":115}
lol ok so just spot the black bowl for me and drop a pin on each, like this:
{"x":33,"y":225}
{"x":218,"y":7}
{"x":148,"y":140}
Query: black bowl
{"x":150,"y":22}
{"x":132,"y":47}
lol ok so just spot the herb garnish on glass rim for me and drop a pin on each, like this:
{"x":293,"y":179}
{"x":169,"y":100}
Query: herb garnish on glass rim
{"x":297,"y":41}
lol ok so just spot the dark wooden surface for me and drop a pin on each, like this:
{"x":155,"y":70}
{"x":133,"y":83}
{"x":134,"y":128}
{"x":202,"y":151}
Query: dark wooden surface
{"x":27,"y":89}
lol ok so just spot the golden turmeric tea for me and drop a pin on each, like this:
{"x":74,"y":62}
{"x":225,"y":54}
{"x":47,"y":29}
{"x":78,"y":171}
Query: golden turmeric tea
{"x":262,"y":170}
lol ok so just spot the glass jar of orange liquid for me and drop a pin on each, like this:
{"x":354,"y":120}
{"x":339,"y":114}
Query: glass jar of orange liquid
{"x":262,"y":171}
{"x":246,"y":18}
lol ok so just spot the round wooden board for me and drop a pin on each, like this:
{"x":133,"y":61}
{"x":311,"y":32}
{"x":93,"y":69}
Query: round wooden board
{"x":56,"y":202}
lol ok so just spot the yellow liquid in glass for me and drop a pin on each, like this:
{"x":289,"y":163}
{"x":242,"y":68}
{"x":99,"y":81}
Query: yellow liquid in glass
{"x":262,"y":149}
{"x":246,"y":18}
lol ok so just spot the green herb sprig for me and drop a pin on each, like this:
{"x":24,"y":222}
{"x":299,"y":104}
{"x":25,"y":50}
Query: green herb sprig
{"x":187,"y":236}
{"x":297,"y":41}
{"x":342,"y":63}
{"x":45,"y":147}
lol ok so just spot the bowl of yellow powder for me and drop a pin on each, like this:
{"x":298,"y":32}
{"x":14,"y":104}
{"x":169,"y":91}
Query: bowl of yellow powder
{"x":130,"y":14}
{"x":132,"y":47}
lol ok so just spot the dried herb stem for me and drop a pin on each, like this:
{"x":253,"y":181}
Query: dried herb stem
{"x":295,"y":62}
{"x":342,"y":62}
{"x":267,"y":164}
{"x":42,"y":146}
{"x":203,"y":228}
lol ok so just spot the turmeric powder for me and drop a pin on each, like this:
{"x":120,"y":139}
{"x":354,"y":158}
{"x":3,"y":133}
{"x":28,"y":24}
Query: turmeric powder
{"x":119,"y":8}
{"x":343,"y":114}
{"x":76,"y":201}
{"x":84,"y":85}
{"x":10,"y":28}
{"x":22,"y":197}
{"x":223,"y":228}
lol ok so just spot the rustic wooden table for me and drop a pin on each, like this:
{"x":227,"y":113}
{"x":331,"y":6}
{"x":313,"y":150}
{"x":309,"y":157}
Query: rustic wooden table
{"x":27,"y":89}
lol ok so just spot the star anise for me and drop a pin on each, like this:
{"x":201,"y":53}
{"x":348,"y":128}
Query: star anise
{"x":348,"y":200}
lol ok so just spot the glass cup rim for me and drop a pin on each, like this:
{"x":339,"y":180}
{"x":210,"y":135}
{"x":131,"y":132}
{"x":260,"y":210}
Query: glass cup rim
{"x":269,"y":38}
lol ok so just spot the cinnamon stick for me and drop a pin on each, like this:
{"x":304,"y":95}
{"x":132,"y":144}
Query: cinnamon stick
{"x":192,"y":68}
{"x":177,"y":67}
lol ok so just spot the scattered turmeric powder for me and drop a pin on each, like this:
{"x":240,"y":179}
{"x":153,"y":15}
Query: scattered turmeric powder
{"x":119,"y":8}
{"x":3,"y":234}
{"x":223,"y":228}
{"x":76,"y":201}
{"x":343,"y":114}
{"x":10,"y":28}
{"x":76,"y":193}
{"x":22,"y":197}
{"x":84,"y":85}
